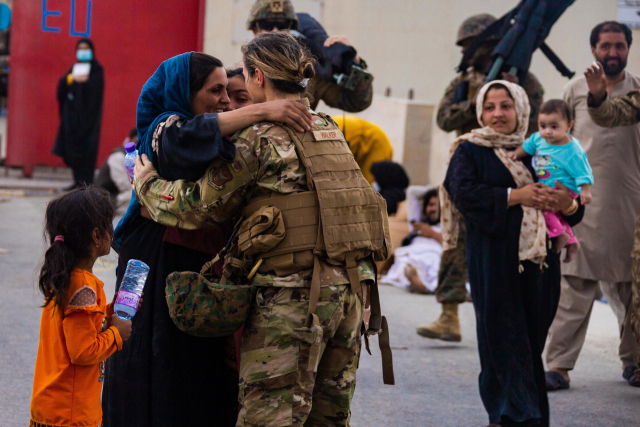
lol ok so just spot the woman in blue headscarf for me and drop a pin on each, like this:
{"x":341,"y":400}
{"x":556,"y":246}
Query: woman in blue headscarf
{"x":162,"y":376}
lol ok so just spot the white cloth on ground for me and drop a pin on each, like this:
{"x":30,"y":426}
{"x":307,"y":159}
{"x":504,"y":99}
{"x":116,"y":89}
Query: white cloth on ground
{"x":424,"y":254}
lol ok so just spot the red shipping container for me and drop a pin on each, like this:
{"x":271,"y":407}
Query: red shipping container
{"x":131,"y":39}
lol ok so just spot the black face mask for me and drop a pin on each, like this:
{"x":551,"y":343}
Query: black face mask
{"x":270,"y":24}
{"x":612,"y":70}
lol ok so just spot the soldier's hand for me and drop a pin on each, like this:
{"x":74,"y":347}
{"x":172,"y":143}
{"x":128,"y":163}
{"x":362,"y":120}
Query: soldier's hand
{"x":597,"y":82}
{"x":330,"y":41}
{"x":287,"y":111}
{"x":142,"y":167}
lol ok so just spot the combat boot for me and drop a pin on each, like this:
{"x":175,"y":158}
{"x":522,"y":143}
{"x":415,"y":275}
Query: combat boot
{"x":446,"y":328}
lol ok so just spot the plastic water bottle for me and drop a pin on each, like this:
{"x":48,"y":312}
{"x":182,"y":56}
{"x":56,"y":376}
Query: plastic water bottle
{"x":130,"y":158}
{"x":131,"y":288}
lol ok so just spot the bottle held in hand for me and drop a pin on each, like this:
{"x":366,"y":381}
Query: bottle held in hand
{"x":131,"y":288}
{"x":130,"y":158}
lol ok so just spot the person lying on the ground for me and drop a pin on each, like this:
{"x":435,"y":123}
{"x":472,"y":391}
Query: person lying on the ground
{"x":416,"y":263}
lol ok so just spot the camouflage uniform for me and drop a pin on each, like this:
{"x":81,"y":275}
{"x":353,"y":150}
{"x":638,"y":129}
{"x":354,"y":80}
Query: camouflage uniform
{"x":624,"y":111}
{"x":334,"y":95}
{"x":460,"y":116}
{"x":277,"y":382}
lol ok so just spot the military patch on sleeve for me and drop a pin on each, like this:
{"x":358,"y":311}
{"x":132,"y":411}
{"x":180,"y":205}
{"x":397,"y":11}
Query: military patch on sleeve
{"x":219,"y":177}
{"x":236,"y":166}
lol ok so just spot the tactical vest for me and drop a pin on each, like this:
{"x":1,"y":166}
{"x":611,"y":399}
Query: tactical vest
{"x":341,"y":219}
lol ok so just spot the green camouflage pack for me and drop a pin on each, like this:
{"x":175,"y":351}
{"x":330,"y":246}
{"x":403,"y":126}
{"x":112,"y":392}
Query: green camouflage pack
{"x":205,"y":308}
{"x":272,"y":9}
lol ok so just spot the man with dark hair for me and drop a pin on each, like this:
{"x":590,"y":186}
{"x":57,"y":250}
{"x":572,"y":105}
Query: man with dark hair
{"x":606,"y":233}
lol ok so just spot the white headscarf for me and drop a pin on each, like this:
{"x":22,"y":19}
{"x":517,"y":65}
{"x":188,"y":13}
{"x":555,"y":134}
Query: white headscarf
{"x":533,"y":231}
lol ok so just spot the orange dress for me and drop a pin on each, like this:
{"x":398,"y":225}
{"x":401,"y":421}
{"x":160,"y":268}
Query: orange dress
{"x":66,"y":384}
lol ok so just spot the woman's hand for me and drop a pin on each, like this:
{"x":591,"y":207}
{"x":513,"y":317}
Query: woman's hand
{"x":553,"y":199}
{"x":143,"y":167}
{"x":290,"y":112}
{"x":525,"y":196}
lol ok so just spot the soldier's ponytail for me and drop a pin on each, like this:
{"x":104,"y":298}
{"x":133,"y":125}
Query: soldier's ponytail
{"x":286,"y":63}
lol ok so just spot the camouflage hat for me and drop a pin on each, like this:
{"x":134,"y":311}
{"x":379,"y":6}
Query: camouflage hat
{"x":205,"y":308}
{"x":272,"y":9}
{"x":473,"y":26}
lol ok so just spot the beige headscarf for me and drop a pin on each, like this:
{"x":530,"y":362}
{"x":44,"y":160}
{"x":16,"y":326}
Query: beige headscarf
{"x":533,"y":231}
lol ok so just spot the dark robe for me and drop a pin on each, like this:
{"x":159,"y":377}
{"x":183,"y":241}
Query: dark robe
{"x":163,"y":376}
{"x":513,"y":310}
{"x":80,"y":106}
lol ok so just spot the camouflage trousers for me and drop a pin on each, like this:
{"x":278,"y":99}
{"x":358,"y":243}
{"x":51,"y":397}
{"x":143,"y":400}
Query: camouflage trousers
{"x":453,"y":276}
{"x":278,"y":385}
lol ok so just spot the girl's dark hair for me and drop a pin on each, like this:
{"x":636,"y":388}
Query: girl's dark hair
{"x":610,"y":27}
{"x":557,"y":106}
{"x":200,"y":66}
{"x":286,"y":63}
{"x":499,"y":86}
{"x":234,"y":72}
{"x":73,"y":216}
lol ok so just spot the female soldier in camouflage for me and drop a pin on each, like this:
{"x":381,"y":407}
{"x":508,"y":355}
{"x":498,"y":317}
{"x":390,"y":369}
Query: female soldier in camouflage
{"x":285,"y":364}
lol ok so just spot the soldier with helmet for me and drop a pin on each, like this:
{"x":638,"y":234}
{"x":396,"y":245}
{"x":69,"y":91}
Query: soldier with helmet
{"x":457,"y":112}
{"x":311,"y":228}
{"x":279,"y":15}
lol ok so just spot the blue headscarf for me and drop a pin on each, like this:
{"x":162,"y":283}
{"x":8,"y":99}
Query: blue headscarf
{"x":165,"y":94}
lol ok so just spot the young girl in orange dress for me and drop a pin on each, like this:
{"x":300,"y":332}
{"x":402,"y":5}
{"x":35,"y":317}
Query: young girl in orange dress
{"x":78,"y":330}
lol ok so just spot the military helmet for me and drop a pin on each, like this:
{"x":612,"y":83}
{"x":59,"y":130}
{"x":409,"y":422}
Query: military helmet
{"x":206,"y":308}
{"x":473,"y":26}
{"x":272,"y":9}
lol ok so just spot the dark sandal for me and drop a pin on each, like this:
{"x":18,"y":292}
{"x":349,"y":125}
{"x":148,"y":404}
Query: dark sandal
{"x":555,"y":381}
{"x":629,"y":374}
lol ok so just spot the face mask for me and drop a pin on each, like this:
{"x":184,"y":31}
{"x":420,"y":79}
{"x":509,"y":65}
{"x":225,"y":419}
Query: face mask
{"x":376,"y":186}
{"x":84,"y":54}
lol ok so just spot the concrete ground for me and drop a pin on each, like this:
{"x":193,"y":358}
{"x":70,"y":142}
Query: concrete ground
{"x":436,"y":382}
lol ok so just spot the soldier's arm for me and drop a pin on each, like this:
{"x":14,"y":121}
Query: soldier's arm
{"x":336,"y":96}
{"x":454,"y":115}
{"x":535,"y":93}
{"x":618,"y":111}
{"x":214,"y":198}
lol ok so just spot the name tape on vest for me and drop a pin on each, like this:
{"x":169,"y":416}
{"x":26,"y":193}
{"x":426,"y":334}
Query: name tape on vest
{"x":327,"y":135}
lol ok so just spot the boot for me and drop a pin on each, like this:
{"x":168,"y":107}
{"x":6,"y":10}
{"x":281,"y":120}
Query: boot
{"x":447,"y":327}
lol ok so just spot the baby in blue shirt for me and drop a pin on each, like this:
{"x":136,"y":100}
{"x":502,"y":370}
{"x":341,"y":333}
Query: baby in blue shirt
{"x":557,"y":156}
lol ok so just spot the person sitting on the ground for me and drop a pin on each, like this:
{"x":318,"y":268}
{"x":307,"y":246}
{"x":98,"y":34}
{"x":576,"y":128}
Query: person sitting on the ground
{"x":114,"y":178}
{"x":391,"y":181}
{"x":416,"y":263}
{"x":369,"y":144}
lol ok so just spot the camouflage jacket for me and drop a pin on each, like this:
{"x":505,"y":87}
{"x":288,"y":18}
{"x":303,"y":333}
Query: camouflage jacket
{"x":461,"y":116}
{"x":266,"y":161}
{"x":618,"y":111}
{"x":335,"y":96}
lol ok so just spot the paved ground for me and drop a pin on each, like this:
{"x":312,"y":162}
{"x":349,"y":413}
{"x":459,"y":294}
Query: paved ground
{"x":436,"y":382}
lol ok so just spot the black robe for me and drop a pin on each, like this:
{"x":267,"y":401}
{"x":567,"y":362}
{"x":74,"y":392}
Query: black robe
{"x":513,"y":310}
{"x":80,"y":106}
{"x":164,"y":377}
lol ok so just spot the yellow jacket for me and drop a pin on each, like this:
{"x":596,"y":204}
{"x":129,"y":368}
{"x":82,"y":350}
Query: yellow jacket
{"x":368,"y":143}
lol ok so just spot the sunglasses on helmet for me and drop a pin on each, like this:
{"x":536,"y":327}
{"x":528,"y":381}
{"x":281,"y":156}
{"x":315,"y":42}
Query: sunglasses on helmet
{"x":270,"y":24}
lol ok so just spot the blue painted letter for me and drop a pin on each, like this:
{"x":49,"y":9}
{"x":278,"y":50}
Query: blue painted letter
{"x":46,"y":13}
{"x":73,"y":20}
